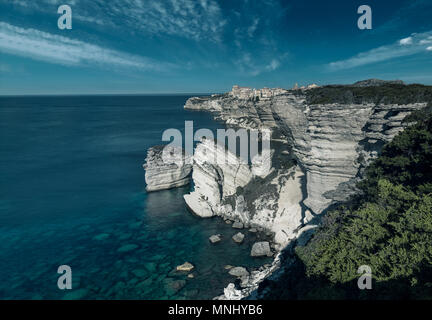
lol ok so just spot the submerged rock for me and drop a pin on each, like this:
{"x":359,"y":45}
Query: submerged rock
{"x":238,"y":272}
{"x":260,"y":249}
{"x":215,"y":238}
{"x":173,"y":286}
{"x":187,"y":266}
{"x":101,"y":236}
{"x":127,"y":248}
{"x":238,"y":237}
{"x":140,"y":273}
{"x":166,"y":167}
{"x":150,"y":266}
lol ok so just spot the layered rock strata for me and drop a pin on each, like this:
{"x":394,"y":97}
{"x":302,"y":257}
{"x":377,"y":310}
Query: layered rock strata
{"x":166,"y":167}
{"x":230,"y":189}
{"x":331,"y":142}
{"x":216,"y":173}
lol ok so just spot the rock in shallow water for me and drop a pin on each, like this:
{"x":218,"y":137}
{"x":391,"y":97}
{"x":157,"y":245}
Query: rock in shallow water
{"x":215,"y":238}
{"x":140,"y":273}
{"x":101,"y":236}
{"x":238,"y":237}
{"x":167,"y":167}
{"x":187,"y":266}
{"x":238,"y":272}
{"x":127,"y":248}
{"x":173,"y":286}
{"x":260,"y":249}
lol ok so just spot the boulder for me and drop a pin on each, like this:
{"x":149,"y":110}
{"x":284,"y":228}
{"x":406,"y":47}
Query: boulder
{"x":260,"y":249}
{"x":238,"y":237}
{"x":238,"y":272}
{"x":187,"y":266}
{"x":215,"y":238}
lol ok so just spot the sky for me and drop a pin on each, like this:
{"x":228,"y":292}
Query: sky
{"x":206,"y":46}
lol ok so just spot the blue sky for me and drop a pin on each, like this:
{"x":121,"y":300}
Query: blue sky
{"x":173,"y":46}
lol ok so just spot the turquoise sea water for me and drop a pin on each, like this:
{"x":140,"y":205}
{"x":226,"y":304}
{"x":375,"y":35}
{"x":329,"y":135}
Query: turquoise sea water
{"x":72,"y":192}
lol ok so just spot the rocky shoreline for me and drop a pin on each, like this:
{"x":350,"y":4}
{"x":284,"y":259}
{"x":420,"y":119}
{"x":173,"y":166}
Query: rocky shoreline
{"x":319,"y":152}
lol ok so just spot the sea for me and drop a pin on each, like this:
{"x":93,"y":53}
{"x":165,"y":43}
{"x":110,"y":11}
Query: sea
{"x":72,"y":192}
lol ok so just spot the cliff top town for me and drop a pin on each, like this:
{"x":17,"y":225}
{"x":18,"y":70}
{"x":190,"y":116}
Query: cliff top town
{"x":264,"y":93}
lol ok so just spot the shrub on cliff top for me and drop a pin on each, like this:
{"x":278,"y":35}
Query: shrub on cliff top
{"x":388,"y":229}
{"x":386,"y":94}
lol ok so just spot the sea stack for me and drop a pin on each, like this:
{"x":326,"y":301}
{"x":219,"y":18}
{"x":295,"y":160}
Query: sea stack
{"x":166,"y":167}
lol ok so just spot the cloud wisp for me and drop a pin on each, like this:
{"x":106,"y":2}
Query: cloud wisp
{"x":191,"y":19}
{"x":414,"y":44}
{"x":40,"y":45}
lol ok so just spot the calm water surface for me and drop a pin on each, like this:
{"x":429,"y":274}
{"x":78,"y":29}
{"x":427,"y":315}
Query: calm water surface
{"x":72,"y":192}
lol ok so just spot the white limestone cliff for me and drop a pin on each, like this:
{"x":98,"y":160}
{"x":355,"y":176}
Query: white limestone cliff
{"x":332,"y":142}
{"x":229,"y":189}
{"x":216,"y":173}
{"x":172,"y":172}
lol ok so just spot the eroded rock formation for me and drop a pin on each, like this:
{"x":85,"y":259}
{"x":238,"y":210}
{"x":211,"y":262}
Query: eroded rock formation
{"x":331,"y":132}
{"x":170,"y":173}
{"x":332,"y":142}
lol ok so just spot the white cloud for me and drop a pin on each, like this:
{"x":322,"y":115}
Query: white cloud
{"x":253,"y":27}
{"x":404,"y":47}
{"x":192,"y":19}
{"x":429,"y":48}
{"x":250,"y":66}
{"x":406,"y":41}
{"x":45,"y":46}
{"x":273,"y":65}
{"x":426,"y":41}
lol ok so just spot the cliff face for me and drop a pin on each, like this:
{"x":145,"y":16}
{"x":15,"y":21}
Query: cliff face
{"x":332,"y":142}
{"x":215,"y":179}
{"x":332,"y":133}
{"x":172,"y":173}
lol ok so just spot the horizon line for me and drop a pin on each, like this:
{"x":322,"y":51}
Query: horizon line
{"x":106,"y":94}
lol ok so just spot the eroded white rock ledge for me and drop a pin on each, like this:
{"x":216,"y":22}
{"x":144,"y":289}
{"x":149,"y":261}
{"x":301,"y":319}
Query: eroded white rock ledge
{"x":162,"y":175}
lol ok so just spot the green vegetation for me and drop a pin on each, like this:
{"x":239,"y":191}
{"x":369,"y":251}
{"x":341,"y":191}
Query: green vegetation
{"x":385,"y":94}
{"x":388,"y":227}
